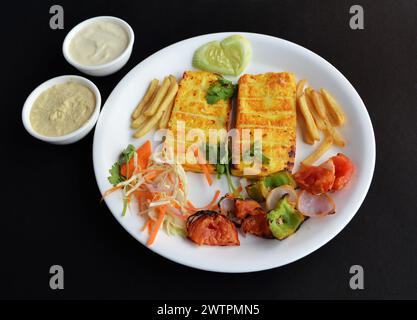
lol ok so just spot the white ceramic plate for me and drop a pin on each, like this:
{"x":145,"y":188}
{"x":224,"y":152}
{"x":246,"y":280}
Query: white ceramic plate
{"x":113,"y":134}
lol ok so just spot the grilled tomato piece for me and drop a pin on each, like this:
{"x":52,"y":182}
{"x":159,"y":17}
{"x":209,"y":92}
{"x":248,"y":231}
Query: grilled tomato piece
{"x":257,"y":225}
{"x":253,"y":218}
{"x":211,"y":228}
{"x":316,"y":180}
{"x":344,"y":169}
{"x":245,"y":207}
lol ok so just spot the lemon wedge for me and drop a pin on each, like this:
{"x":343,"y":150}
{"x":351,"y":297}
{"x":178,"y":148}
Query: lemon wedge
{"x":229,"y":56}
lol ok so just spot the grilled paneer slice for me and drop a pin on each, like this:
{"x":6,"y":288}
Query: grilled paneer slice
{"x":192,"y":111}
{"x":267,"y":102}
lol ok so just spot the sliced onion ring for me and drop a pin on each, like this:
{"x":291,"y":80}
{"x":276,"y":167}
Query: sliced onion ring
{"x":329,"y":165}
{"x":227,"y":204}
{"x":311,"y":205}
{"x":277,"y":193}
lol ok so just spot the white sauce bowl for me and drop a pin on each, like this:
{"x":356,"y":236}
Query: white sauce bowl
{"x":70,"y":137}
{"x":102,"y":69}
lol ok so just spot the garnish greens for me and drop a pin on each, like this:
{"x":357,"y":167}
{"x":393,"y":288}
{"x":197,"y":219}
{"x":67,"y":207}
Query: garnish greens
{"x":127,"y":154}
{"x":115,"y":177}
{"x":256,"y":152}
{"x":222,"y":89}
{"x":222,"y":163}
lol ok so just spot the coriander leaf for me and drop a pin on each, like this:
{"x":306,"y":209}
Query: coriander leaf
{"x":212,"y":99}
{"x":127,"y":154}
{"x":222,"y":89}
{"x":214,"y":89}
{"x":224,"y":81}
{"x":115,"y":177}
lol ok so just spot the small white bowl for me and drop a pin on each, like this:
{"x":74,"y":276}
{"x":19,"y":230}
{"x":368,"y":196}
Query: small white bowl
{"x":102,"y":69}
{"x":75,"y":135}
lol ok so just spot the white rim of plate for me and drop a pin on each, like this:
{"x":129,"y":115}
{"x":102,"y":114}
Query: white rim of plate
{"x":311,"y":249}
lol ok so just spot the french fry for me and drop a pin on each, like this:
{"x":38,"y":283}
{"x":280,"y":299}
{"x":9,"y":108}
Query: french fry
{"x":309,"y":121}
{"x":162,"y":108}
{"x":153,"y":86}
{"x":337,"y":137}
{"x":168,"y":102}
{"x":163,"y":123}
{"x":138,"y":121}
{"x":322,"y":149}
{"x":320,"y":116}
{"x":337,"y":116}
{"x":300,"y":87}
{"x":318,"y":103}
{"x":304,"y":132}
{"x":147,"y":125}
{"x":159,"y":96}
{"x":319,"y":122}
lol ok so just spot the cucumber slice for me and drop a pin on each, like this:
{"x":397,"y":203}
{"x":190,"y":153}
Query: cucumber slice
{"x":228,"y":57}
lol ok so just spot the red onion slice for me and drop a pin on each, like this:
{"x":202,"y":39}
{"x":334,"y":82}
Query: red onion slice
{"x":311,"y":205}
{"x":277,"y":193}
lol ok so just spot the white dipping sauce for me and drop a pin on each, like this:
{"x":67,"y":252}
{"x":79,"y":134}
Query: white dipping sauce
{"x":98,"y":43}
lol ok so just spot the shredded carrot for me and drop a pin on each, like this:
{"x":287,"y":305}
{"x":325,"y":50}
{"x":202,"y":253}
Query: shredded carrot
{"x":146,"y":225}
{"x":214,"y":201}
{"x":239,"y":189}
{"x":111,"y":190}
{"x":210,"y":206}
{"x":144,"y":152}
{"x":150,"y":176}
{"x":143,"y":194}
{"x":175,"y":204}
{"x":204,"y":167}
{"x":207,"y":174}
{"x":150,"y":225}
{"x":191,"y":205}
{"x":141,"y":201}
{"x":180,"y":216}
{"x":162,"y":210}
{"x":170,"y":178}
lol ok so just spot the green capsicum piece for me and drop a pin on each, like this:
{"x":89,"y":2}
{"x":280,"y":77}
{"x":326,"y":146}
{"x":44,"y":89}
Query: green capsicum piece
{"x":279,"y":179}
{"x":284,"y":220}
{"x":259,"y":190}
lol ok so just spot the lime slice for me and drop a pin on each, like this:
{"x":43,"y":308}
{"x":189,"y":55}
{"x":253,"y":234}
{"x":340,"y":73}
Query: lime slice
{"x":228,"y":57}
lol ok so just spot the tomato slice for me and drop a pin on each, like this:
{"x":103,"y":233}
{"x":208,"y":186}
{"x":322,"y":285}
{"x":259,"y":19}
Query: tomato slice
{"x":257,"y":225}
{"x":344,"y":169}
{"x":212,"y":229}
{"x":245,"y":207}
{"x":316,"y":180}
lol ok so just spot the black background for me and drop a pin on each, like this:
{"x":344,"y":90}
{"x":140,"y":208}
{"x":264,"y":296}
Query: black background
{"x":50,"y":211}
